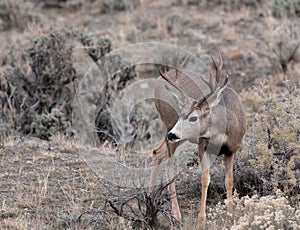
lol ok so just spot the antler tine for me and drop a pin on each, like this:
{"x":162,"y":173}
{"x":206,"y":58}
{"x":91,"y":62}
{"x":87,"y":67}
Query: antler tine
{"x":178,"y":68}
{"x":209,"y":83}
{"x":180,"y":65}
{"x":219,"y":71}
{"x":170,"y":82}
{"x":185,"y":59}
{"x":166,"y":67}
{"x":221,"y":61}
{"x":217,"y":67}
{"x":164,"y":64}
{"x":220,"y":65}
{"x":178,"y":72}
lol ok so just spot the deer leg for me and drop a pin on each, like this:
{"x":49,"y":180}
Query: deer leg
{"x":159,"y":153}
{"x":172,"y":189}
{"x":205,"y":180}
{"x":175,"y":206}
{"x":229,"y":161}
{"x":166,"y":150}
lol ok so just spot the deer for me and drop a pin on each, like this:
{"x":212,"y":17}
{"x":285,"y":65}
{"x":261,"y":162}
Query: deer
{"x":192,"y":115}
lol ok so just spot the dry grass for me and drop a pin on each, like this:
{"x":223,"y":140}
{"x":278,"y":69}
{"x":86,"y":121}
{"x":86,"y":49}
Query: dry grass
{"x":44,"y":185}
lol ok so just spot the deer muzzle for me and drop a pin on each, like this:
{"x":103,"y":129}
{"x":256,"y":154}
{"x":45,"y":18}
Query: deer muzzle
{"x":172,"y":137}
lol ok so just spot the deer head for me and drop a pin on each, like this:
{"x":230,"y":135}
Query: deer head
{"x":194,"y":120}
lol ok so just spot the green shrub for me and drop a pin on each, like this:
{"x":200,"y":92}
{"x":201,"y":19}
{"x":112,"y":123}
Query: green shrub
{"x":41,"y":80}
{"x":39,"y":83}
{"x":46,"y":125}
{"x":109,"y":6}
{"x":233,"y":4}
{"x":273,"y":148}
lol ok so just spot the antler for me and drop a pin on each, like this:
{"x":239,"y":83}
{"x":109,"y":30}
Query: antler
{"x":218,"y":73}
{"x":214,"y":87}
{"x":176,"y":83}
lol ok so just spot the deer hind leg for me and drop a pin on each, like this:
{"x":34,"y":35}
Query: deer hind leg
{"x":205,"y":180}
{"x":229,"y":161}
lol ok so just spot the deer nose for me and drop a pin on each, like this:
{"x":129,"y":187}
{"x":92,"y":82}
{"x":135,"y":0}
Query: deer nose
{"x":172,"y":137}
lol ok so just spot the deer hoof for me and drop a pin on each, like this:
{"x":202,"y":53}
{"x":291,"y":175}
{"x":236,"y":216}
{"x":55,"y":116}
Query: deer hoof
{"x":201,"y":225}
{"x":201,"y":222}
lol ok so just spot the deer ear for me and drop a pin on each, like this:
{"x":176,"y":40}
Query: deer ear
{"x":179,"y":101}
{"x":214,"y":99}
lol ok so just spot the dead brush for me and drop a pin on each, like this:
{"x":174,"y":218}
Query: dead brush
{"x":138,"y":208}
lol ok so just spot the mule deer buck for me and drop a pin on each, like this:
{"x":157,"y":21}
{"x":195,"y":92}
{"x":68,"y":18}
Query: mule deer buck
{"x":190,"y":115}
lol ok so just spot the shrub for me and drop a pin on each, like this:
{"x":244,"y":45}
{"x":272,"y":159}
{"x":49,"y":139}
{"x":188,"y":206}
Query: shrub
{"x":232,"y":4}
{"x":135,"y":208}
{"x":109,"y":6}
{"x":40,"y":83}
{"x":269,"y":212}
{"x":15,"y":14}
{"x":286,"y":7}
{"x":286,"y":46}
{"x":46,"y":125}
{"x":118,"y":74}
{"x":273,"y":142}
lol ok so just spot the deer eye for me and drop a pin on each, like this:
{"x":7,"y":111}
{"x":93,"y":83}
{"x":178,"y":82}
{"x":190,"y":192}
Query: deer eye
{"x":193,"y":119}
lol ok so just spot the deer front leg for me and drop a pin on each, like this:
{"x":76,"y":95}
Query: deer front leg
{"x":158,"y":155}
{"x":172,"y":189}
{"x":204,"y":159}
{"x":175,"y":206}
{"x":205,"y":180}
